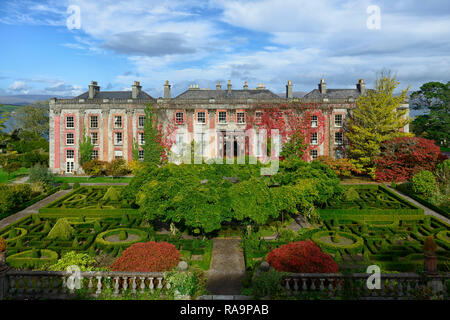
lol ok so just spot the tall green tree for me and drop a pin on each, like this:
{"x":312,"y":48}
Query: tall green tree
{"x":433,"y":97}
{"x":152,"y":148}
{"x":135,"y":150}
{"x":34,"y":118}
{"x":375,"y":119}
{"x":86,"y":148}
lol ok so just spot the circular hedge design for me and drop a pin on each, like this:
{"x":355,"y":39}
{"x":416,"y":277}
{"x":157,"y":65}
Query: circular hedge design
{"x":25,"y":259}
{"x":21,"y":232}
{"x":355,"y":246}
{"x":102,"y":237}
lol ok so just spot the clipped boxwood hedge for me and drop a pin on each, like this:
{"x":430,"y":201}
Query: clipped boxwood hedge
{"x":355,"y":248}
{"x":100,"y":240}
{"x":23,"y":260}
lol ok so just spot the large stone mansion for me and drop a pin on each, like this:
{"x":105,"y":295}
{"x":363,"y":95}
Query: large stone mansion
{"x":212,"y":117}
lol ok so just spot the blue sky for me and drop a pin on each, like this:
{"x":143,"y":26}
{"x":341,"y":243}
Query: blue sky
{"x":202,"y":42}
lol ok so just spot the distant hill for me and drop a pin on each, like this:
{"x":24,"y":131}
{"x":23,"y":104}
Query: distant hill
{"x":25,"y":99}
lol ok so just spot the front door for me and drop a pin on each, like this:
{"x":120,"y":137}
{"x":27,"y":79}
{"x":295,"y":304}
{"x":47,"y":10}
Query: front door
{"x":69,"y":167}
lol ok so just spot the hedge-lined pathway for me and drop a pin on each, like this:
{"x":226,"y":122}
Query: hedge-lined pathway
{"x":34,"y":208}
{"x":426,"y":210}
{"x":227,"y":267}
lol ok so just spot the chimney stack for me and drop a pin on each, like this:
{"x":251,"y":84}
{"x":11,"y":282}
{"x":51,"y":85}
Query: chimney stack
{"x":135,"y":90}
{"x":289,"y":90}
{"x":361,"y":86}
{"x":93,"y":89}
{"x":245,"y":85}
{"x":218,"y":86}
{"x":167,"y":90}
{"x":322,"y":86}
{"x":229,"y":86}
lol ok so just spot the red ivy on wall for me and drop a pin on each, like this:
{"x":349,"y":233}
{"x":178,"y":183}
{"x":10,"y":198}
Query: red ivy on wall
{"x":289,"y":122}
{"x":166,"y":137}
{"x":147,"y":257}
{"x":301,"y":257}
{"x":403,"y":157}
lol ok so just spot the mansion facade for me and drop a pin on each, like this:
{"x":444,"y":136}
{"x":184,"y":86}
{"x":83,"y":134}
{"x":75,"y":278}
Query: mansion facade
{"x":214,"y":118}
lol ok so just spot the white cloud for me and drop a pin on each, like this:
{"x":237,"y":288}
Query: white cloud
{"x":19,"y":87}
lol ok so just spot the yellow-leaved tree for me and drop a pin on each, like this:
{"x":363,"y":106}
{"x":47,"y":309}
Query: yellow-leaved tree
{"x":377,"y":117}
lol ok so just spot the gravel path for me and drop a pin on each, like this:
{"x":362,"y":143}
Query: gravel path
{"x":426,"y":210}
{"x":227,"y":267}
{"x":32,"y":209}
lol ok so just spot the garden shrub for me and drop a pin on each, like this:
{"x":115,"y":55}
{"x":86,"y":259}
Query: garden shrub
{"x":72,"y":258}
{"x":403,"y":157}
{"x":424,"y":183}
{"x":39,"y":173}
{"x":94,"y":168}
{"x":301,"y":257}
{"x":182,"y":283}
{"x":13,"y":196}
{"x":342,"y":167}
{"x":65,"y":186}
{"x":266,"y":283}
{"x":148,"y":257}
{"x":351,"y":194}
{"x":117,"y":167}
{"x":62,"y":230}
{"x":76,"y":185}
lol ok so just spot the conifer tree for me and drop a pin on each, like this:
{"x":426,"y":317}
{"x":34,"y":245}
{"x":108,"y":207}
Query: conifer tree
{"x":152,"y":148}
{"x":375,"y":119}
{"x":86,"y":148}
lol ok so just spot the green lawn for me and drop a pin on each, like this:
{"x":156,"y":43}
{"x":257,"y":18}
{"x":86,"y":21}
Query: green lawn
{"x":15,"y":174}
{"x":93,"y":179}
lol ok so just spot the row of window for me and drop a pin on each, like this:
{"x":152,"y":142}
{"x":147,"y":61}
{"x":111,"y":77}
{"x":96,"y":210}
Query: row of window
{"x":201,"y":119}
{"x":70,"y":139}
{"x":70,"y":154}
{"x":93,"y":123}
{"x":338,"y":138}
{"x":338,"y":154}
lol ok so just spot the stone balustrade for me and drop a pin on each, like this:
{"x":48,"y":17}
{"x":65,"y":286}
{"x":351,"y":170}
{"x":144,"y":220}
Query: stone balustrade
{"x":16,"y":284}
{"x":392,"y":286}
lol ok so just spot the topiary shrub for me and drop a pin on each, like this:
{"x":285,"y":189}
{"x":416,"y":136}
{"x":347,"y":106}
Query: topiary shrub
{"x":65,"y":186}
{"x":148,"y":257}
{"x":76,"y":185}
{"x":111,"y":195}
{"x":351,"y":194}
{"x":61,"y":230}
{"x":301,"y":257}
{"x":424,"y":183}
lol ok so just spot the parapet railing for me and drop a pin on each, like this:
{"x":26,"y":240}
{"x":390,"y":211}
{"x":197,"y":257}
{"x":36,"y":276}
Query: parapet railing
{"x":17,"y":284}
{"x":359,"y":286}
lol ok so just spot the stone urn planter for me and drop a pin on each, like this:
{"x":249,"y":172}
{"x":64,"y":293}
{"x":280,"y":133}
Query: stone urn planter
{"x":430,"y":263}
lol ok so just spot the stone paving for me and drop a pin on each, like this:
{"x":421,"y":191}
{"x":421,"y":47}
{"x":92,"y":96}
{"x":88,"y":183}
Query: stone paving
{"x":227,"y":267}
{"x":34,"y":208}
